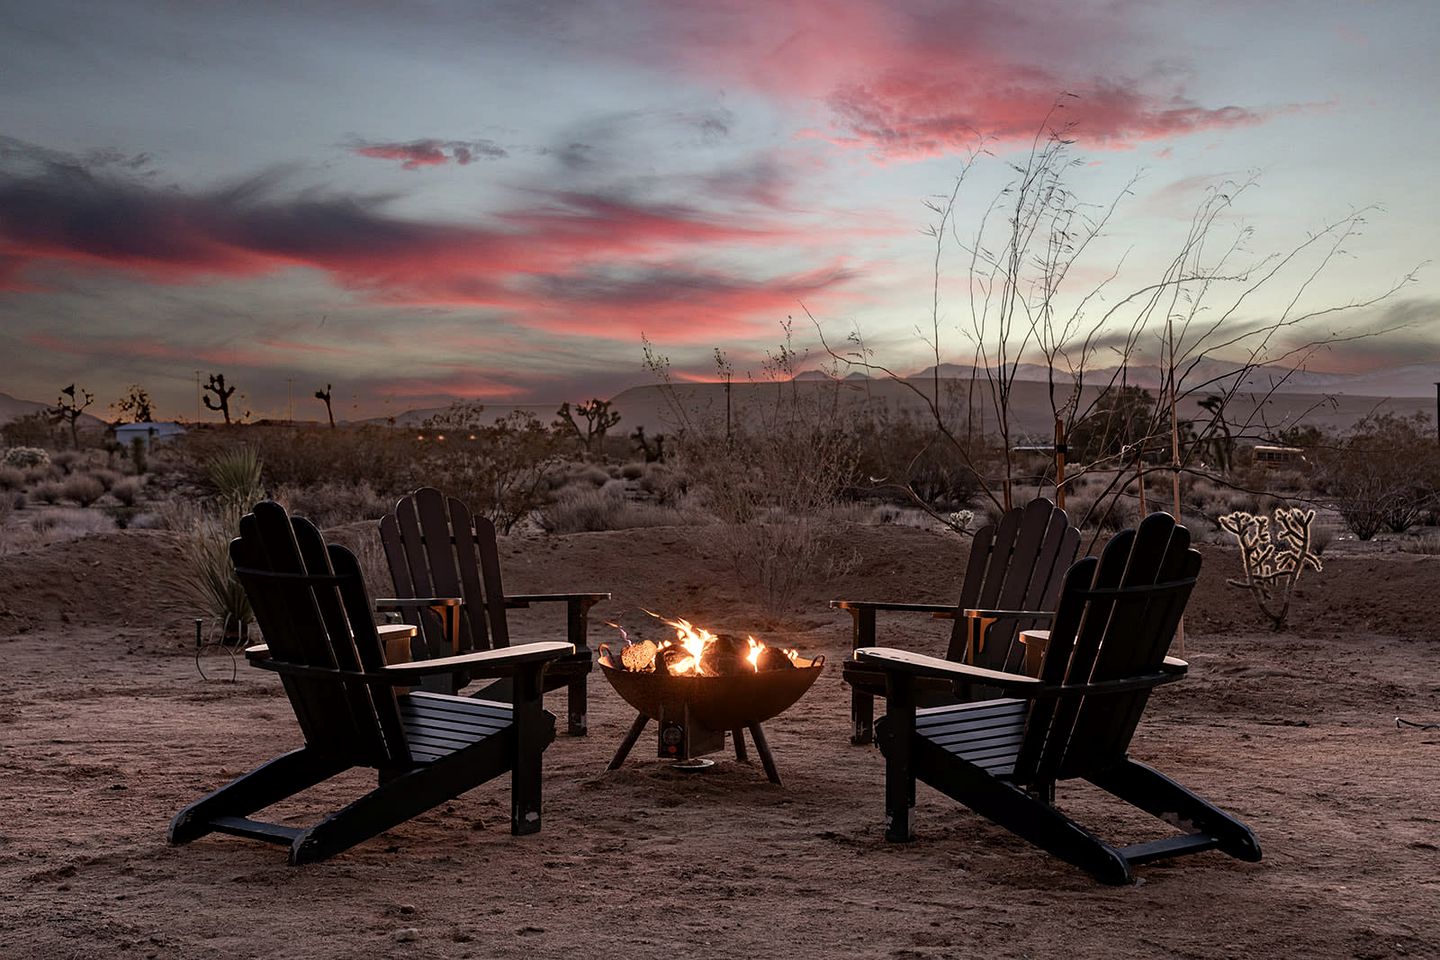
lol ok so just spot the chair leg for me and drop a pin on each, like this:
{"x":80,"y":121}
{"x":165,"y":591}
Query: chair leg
{"x":403,"y":796}
{"x":862,"y":717}
{"x":578,"y":705}
{"x":1158,"y":795}
{"x":532,"y":735}
{"x":1020,"y":813}
{"x":271,"y":782}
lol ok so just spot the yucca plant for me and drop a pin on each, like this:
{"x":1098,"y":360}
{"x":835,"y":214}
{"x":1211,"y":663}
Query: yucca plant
{"x":208,"y":580}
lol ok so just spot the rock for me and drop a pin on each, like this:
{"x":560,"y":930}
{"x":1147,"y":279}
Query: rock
{"x":406,"y":935}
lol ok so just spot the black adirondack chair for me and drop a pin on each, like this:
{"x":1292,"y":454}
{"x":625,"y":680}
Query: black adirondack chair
{"x":1012,"y":580}
{"x":315,"y":615}
{"x":446,"y":569}
{"x":1002,"y":758}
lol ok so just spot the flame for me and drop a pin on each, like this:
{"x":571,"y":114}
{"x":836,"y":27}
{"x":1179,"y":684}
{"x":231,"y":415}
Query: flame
{"x":694,"y":641}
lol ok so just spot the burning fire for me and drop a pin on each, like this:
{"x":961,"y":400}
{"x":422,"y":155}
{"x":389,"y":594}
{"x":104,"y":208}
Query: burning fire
{"x":701,"y":657}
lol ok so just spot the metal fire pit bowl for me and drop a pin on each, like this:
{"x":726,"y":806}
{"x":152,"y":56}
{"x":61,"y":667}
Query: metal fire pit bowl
{"x":694,"y":712}
{"x":727,"y":702}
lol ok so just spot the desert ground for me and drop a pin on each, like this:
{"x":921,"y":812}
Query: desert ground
{"x":106,"y":729}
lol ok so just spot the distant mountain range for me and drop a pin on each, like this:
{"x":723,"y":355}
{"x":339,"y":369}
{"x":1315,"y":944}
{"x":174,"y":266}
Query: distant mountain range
{"x":12,"y":408}
{"x":1406,"y":380}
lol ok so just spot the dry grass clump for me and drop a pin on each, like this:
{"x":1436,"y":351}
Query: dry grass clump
{"x":581,"y":510}
{"x":54,"y":526}
{"x":12,"y":478}
{"x":107,"y":477}
{"x":82,"y":488}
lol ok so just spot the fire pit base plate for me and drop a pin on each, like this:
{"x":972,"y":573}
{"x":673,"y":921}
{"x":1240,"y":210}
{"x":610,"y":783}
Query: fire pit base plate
{"x":694,"y":765}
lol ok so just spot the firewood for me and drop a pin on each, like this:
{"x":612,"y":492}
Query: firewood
{"x":639,"y":657}
{"x":773,"y":658}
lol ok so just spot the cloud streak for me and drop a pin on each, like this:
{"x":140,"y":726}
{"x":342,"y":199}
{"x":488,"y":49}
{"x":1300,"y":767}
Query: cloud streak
{"x":568,"y":260}
{"x":418,"y":154}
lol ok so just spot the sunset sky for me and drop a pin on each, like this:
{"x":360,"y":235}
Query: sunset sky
{"x":416,"y":201}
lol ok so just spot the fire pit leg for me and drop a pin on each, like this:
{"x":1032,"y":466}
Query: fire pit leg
{"x":636,"y":729}
{"x":763,"y":748}
{"x":740,"y":753}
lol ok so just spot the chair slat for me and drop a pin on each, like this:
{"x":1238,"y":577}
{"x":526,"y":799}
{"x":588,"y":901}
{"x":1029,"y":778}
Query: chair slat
{"x":475,"y":616}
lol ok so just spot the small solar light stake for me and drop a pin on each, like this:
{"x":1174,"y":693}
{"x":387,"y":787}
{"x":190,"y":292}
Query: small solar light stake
{"x":198,"y":641}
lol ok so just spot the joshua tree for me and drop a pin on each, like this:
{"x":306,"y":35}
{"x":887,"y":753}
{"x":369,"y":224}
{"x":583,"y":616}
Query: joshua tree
{"x":598,"y":421}
{"x":222,"y":395}
{"x":324,"y":397}
{"x":136,"y":405}
{"x":652,"y":452}
{"x":68,"y":408}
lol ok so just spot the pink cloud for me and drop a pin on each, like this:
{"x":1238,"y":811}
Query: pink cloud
{"x":571,"y":261}
{"x":909,"y":80}
{"x":416,"y":154}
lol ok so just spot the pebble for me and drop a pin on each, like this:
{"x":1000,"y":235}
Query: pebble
{"x":405,"y":935}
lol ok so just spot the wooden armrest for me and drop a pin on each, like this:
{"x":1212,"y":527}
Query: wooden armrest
{"x":982,"y":613}
{"x":1174,"y":665}
{"x":505,"y":657}
{"x":918,"y":664}
{"x":515,"y":600}
{"x":411,"y":603}
{"x":260,"y":651}
{"x":939,"y":610}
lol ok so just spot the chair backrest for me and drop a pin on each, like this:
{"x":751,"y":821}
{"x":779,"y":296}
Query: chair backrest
{"x":435,"y":547}
{"x":1116,"y":617}
{"x":312,"y":608}
{"x":1016,"y":564}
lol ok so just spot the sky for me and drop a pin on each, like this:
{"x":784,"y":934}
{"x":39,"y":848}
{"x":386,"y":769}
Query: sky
{"x":496,"y":201}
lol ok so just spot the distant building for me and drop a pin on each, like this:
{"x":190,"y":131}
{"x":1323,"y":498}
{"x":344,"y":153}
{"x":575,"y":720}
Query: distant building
{"x":127,"y":433}
{"x":1269,"y":456}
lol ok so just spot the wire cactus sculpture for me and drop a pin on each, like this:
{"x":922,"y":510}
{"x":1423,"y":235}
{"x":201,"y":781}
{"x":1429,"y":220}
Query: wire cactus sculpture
{"x":1273,"y":556}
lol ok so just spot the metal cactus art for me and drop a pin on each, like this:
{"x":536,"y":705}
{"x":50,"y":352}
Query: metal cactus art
{"x":1273,"y":556}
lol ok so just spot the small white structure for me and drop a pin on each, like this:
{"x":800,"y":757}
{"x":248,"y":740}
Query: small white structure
{"x":127,"y":433}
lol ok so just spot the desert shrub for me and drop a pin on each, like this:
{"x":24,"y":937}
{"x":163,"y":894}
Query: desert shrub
{"x":633,"y":470}
{"x":666,"y":485}
{"x":1384,"y":473}
{"x":51,"y":491}
{"x":7,"y":508}
{"x":592,"y":474}
{"x":12,"y":478}
{"x":334,"y":504}
{"x":914,"y":460}
{"x":82,"y":488}
{"x":107,"y":478}
{"x":206,"y":581}
{"x":127,"y":490}
{"x":23,"y":457}
{"x":1320,"y":538}
{"x":68,"y":461}
{"x":502,"y":472}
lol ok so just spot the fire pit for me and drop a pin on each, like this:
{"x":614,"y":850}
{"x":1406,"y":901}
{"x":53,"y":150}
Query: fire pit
{"x":700,"y":685}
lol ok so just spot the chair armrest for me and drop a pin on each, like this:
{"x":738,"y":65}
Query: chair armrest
{"x":988,"y":614}
{"x":260,"y":651}
{"x":521,"y":600}
{"x":389,"y":604}
{"x":483,"y":660}
{"x":944,"y":611}
{"x":920,"y":665}
{"x":1174,"y":665}
{"x":1030,"y":688}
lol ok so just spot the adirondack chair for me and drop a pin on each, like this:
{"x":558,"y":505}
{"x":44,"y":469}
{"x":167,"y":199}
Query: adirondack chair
{"x":446,"y":569}
{"x":1012,"y":580}
{"x":1001,"y":758}
{"x":313,"y":610}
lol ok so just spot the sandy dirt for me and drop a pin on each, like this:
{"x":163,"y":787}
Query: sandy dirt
{"x":106,"y":730}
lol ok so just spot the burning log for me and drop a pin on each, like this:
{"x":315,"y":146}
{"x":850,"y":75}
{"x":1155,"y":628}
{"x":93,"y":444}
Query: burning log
{"x":773,"y":658}
{"x":639,"y":657}
{"x":724,"y":656}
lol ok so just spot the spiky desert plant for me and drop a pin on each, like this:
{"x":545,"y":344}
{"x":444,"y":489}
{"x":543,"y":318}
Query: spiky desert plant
{"x":1272,"y":556}
{"x":207,"y":582}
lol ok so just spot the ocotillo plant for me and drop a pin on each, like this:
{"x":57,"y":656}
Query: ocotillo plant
{"x":1272,"y":557}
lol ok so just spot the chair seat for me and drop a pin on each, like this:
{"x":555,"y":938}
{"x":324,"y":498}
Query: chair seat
{"x":987,"y":734}
{"x":437,"y":724}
